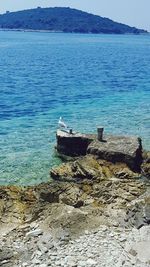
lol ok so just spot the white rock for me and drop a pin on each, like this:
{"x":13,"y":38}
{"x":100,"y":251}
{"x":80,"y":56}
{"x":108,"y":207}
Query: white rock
{"x":36,"y":232}
{"x":24,"y":226}
{"x":34,"y":225}
{"x":111,"y":235}
{"x":122,"y":239}
{"x":24,"y":264}
{"x":82,"y":263}
{"x":91,"y":262}
{"x":143,"y":251}
{"x":42,"y":248}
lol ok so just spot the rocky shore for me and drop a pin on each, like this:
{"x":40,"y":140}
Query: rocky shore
{"x":95,"y":211}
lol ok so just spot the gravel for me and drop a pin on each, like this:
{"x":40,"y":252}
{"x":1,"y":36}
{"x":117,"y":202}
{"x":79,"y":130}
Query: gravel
{"x":106,"y":246}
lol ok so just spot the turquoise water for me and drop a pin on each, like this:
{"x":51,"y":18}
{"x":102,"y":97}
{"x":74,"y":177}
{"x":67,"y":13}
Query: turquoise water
{"x":89,"y":80}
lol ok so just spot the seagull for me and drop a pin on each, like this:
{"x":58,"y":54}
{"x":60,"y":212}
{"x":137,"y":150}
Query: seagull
{"x":61,"y":123}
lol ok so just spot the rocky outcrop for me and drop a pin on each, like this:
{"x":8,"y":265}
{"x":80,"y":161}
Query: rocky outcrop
{"x":92,"y":169}
{"x":88,"y":180}
{"x":138,"y":214}
{"x":94,"y":205}
{"x":74,"y":144}
{"x":89,"y":201}
{"x":146,"y":164}
{"x":85,"y":182}
{"x":42,"y":224}
{"x":125,"y":149}
{"x":119,"y":149}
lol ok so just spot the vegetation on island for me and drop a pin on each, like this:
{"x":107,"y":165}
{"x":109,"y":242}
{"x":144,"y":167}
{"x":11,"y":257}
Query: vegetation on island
{"x":63,"y":20}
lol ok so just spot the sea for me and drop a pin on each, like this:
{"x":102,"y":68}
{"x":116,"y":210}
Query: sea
{"x":89,"y":80}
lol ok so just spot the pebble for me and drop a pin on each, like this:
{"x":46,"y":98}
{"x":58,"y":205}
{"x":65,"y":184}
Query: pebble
{"x":122,"y":239}
{"x":34,"y":225}
{"x":91,"y":262}
{"x":82,"y":263}
{"x":42,"y":248}
{"x":92,"y":249}
{"x":36,"y":232}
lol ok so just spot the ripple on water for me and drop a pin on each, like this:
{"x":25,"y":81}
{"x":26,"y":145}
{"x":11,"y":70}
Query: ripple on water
{"x":89,"y":80}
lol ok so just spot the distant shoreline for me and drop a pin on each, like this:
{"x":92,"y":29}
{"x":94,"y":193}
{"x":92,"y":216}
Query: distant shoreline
{"x":52,"y":31}
{"x":29,"y":30}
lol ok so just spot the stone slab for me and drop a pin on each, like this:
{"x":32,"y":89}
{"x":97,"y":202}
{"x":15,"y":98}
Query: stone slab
{"x":74,"y":144}
{"x":127,"y":149}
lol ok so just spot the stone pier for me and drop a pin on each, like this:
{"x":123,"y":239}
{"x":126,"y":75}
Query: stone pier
{"x":125,"y":149}
{"x":73,"y":144}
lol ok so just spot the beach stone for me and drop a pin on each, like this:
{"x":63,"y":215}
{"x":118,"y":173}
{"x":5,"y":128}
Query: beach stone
{"x":34,"y":225}
{"x":5,"y":254}
{"x":82,"y":263}
{"x":42,"y":248}
{"x":133,"y":252}
{"x":142,"y":250}
{"x":146,"y":164}
{"x":36,"y":232}
{"x":122,"y":239}
{"x":91,"y":262}
{"x":147,"y":212}
{"x":72,"y":264}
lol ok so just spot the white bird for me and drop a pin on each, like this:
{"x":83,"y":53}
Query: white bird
{"x":61,"y":123}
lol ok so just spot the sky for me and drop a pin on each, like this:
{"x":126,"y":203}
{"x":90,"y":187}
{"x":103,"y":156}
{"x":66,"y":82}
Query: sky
{"x":132,"y":12}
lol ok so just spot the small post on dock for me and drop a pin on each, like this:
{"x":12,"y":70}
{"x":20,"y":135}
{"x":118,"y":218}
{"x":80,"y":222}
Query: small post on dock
{"x":70,"y":131}
{"x":100,"y":133}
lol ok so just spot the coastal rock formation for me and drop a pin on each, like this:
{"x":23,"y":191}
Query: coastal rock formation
{"x":91,"y":168}
{"x":125,"y":149}
{"x":118,"y":149}
{"x":93,"y":212}
{"x":90,"y":181}
{"x":59,"y":222}
{"x":146,"y":164}
{"x":72,"y":144}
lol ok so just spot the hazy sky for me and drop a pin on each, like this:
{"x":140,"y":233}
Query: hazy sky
{"x":132,"y":12}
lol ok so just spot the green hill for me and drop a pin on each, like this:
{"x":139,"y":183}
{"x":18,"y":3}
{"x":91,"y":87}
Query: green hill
{"x":64,"y":20}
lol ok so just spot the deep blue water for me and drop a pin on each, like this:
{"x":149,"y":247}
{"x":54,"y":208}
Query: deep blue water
{"x":89,"y":80}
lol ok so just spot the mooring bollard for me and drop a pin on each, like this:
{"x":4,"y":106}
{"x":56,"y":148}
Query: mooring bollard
{"x":70,"y":131}
{"x":100,"y":133}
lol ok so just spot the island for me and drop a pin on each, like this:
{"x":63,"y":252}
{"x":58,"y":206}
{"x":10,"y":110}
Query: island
{"x":63,"y":19}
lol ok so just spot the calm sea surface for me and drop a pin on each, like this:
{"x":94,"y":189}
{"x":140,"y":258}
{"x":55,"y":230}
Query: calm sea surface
{"x":89,"y":80}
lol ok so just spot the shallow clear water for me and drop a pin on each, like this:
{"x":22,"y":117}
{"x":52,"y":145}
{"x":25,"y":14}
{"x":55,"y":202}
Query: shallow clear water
{"x":89,"y":80}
